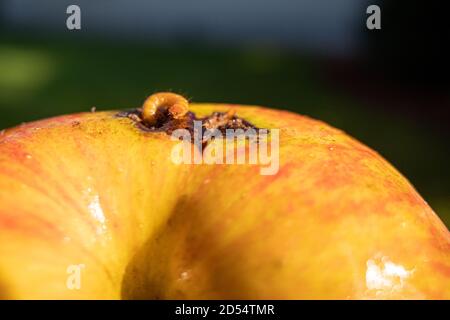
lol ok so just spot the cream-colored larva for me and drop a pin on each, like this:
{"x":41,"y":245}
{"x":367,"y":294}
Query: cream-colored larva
{"x":176,"y":105}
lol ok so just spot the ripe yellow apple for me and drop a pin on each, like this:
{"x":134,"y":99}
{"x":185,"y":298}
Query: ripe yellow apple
{"x":93,"y":207}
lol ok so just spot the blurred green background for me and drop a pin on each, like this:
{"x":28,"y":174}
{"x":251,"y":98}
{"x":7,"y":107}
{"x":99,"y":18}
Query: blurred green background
{"x":380,"y":97}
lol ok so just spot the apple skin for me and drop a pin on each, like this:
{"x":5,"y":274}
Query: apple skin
{"x":336,"y":222}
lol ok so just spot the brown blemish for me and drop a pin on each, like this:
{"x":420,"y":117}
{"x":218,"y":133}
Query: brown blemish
{"x":75,"y":123}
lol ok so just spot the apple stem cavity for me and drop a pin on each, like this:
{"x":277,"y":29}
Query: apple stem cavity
{"x":167,"y":112}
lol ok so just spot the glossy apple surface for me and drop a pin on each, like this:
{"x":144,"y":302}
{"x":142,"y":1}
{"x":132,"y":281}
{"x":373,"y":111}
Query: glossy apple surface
{"x":336,"y":222}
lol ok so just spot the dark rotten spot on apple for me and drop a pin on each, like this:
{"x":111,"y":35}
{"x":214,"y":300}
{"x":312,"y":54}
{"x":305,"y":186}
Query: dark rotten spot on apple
{"x":166,"y":123}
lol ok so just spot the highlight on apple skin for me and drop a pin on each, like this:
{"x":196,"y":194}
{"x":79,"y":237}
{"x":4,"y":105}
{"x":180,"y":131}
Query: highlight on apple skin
{"x":92,"y":207}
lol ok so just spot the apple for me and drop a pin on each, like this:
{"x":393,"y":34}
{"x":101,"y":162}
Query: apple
{"x":92,"y":206}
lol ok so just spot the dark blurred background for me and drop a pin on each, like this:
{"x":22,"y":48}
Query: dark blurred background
{"x":389,"y":88}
